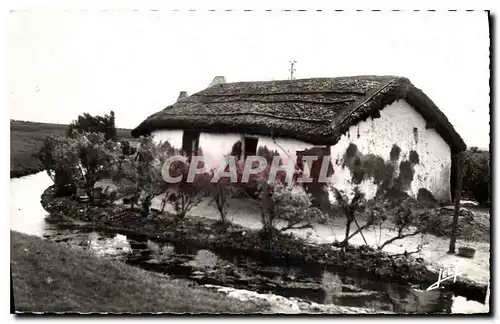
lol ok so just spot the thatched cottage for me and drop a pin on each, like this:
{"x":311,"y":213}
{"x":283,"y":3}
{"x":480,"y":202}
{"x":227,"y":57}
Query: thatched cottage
{"x":380,"y":131}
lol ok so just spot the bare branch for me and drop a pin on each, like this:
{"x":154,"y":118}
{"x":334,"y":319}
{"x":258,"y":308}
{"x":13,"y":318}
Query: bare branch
{"x":400,"y":236}
{"x":292,"y":226}
{"x":359,"y":230}
{"x":406,"y":253}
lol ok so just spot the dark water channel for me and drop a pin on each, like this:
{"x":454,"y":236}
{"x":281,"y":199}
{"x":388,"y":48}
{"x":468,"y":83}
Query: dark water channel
{"x":310,"y":283}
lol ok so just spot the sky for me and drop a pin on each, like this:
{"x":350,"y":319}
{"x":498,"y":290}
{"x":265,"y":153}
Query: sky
{"x":64,"y":63}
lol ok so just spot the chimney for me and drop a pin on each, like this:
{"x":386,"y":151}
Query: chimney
{"x":182,"y":94}
{"x":218,"y":80}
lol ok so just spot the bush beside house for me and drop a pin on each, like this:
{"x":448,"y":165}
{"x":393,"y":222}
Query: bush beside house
{"x":477,"y":174}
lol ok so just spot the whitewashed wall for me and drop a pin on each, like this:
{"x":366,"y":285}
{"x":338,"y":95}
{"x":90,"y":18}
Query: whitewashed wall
{"x":174,"y":137}
{"x":216,"y":146}
{"x":396,"y":126}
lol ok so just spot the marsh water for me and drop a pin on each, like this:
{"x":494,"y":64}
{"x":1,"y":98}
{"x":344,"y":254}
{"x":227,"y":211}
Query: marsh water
{"x":309,"y":283}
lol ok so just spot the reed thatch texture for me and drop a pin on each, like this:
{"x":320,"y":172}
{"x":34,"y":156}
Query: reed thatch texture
{"x":317,"y":110}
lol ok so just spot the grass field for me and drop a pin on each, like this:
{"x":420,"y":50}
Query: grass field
{"x":51,"y":277}
{"x":27,"y":137}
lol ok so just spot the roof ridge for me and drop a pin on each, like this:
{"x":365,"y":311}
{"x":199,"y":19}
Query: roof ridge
{"x":323,"y":78}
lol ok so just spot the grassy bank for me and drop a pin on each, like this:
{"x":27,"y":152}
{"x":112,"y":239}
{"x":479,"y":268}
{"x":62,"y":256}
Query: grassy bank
{"x":25,"y":140}
{"x":51,"y":277}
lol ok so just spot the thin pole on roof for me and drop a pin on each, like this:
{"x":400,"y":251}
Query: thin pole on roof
{"x":292,"y":69}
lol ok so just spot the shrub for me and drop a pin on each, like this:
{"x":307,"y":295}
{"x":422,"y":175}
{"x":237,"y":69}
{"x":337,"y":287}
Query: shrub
{"x":87,"y":123}
{"x":139,"y":176}
{"x":58,"y":166}
{"x":127,"y":149}
{"x":78,"y":161}
{"x":95,"y":155}
{"x":253,"y":185}
{"x":280,"y":203}
{"x":277,"y":199}
{"x":352,"y":208}
{"x":221,"y":191}
{"x":476,"y":181}
{"x":184,"y":195}
{"x":410,"y":218}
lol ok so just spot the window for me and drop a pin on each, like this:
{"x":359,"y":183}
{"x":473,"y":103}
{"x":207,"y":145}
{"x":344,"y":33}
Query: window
{"x":245,"y":147}
{"x":250,"y":146}
{"x":190,"y":142}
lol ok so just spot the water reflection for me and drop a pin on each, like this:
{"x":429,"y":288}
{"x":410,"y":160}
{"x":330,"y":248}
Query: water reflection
{"x":116,"y":246}
{"x":26,"y":212}
{"x":463,"y":306}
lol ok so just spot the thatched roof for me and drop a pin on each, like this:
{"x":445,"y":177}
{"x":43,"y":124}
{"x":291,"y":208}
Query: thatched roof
{"x":318,"y":111}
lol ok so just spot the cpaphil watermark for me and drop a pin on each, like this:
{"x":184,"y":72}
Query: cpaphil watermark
{"x":451,"y":272}
{"x":230,"y":167}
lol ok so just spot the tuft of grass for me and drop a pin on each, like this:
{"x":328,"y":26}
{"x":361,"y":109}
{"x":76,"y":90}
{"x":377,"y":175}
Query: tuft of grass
{"x":48,"y":277}
{"x":27,"y":137}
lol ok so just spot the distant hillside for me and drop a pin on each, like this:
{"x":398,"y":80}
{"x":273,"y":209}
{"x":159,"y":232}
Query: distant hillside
{"x":27,"y":137}
{"x":54,"y":129}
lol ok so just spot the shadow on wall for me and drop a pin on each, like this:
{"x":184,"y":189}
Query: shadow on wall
{"x":391,"y":184}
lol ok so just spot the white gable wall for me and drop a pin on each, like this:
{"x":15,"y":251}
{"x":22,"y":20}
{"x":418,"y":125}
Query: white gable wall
{"x":396,"y":126}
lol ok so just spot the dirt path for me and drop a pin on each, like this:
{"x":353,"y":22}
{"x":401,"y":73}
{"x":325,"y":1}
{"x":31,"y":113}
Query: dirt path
{"x":246,"y":213}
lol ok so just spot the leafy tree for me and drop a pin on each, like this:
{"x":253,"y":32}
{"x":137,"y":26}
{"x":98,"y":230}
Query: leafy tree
{"x":46,"y":155}
{"x":139,"y":176}
{"x":124,"y":175}
{"x":87,"y":123}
